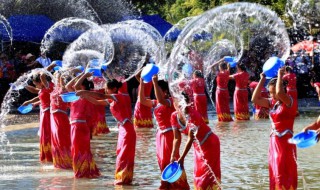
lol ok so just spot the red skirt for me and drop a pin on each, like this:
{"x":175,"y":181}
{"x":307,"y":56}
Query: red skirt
{"x":205,"y":177}
{"x":142,"y":116}
{"x":127,"y":99}
{"x":100,"y":126}
{"x":240,"y":102}
{"x":283,"y":172}
{"x":61,"y":140}
{"x":201,"y":105}
{"x":45,"y":137}
{"x":83,"y":164}
{"x":222,"y":105}
{"x":125,"y":154}
{"x":164,"y":146}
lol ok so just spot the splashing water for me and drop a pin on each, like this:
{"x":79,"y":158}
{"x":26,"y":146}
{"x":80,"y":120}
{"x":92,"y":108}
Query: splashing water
{"x":5,"y":24}
{"x":131,"y":47}
{"x":63,"y":32}
{"x":259,"y":29}
{"x":93,"y":44}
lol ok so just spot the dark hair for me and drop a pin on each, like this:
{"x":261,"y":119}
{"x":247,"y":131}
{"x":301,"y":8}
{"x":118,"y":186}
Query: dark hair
{"x":252,"y":78}
{"x":224,"y":65}
{"x":88,"y":84}
{"x":288,"y":69}
{"x":198,"y":73}
{"x":163,"y":85}
{"x":36,"y":78}
{"x":272,"y":82}
{"x":242,"y":67}
{"x":114,"y":84}
{"x":186,"y":97}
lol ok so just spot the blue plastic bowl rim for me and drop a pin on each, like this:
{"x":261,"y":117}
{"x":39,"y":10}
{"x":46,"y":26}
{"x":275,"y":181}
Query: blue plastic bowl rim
{"x":24,"y":107}
{"x":179,"y":168}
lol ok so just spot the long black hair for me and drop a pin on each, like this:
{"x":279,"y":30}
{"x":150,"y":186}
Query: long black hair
{"x":164,"y":86}
{"x":114,"y":84}
{"x":36,"y":78}
{"x":88,"y":84}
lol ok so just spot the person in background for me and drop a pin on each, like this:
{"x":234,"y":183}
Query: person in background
{"x":258,"y":111}
{"x":43,"y":59}
{"x":31,"y":62}
{"x":290,"y":80}
{"x":240,"y":96}
{"x":282,"y":156}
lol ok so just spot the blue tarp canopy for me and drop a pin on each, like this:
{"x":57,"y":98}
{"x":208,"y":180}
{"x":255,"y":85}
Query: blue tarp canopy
{"x":157,"y":22}
{"x":27,"y":28}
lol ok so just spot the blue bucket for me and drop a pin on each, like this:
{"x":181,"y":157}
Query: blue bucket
{"x":69,"y":97}
{"x":57,"y":68}
{"x":96,"y":71}
{"x":80,"y":68}
{"x":25,"y":109}
{"x":104,"y":67}
{"x":231,"y":60}
{"x":305,"y":139}
{"x":172,"y":172}
{"x":271,"y":67}
{"x":148,"y":71}
{"x":57,"y":62}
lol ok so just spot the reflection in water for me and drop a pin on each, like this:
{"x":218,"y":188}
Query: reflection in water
{"x":244,"y":164}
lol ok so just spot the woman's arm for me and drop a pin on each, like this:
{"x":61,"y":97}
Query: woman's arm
{"x":216,"y":63}
{"x":79,"y":82}
{"x":314,"y":126}
{"x":158,"y":92}
{"x":281,"y":94}
{"x":50,"y":67}
{"x":36,"y":99}
{"x":256,"y":96}
{"x":71,"y":83}
{"x":95,"y":101}
{"x":186,"y":148}
{"x":95,"y":95}
{"x":176,"y":144}
{"x":142,"y":99}
{"x":32,"y":89}
{"x":44,"y":81}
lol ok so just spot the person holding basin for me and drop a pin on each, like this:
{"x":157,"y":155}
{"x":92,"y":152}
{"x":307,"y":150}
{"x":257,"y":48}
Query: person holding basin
{"x":282,"y":155}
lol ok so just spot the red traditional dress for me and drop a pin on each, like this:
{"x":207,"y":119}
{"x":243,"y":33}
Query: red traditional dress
{"x":222,"y":97}
{"x":240,"y":96}
{"x":126,"y":140}
{"x":207,"y":172}
{"x":45,"y":126}
{"x":187,"y":88}
{"x":83,"y":164}
{"x":260,"y":112}
{"x":292,"y":87}
{"x":282,"y":155}
{"x":99,"y":126}
{"x":164,"y":142}
{"x":124,"y":91}
{"x":200,"y":98}
{"x":142,"y":113}
{"x":60,"y":131}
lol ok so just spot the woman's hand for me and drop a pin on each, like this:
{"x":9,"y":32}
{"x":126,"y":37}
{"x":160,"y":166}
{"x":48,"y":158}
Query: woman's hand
{"x":155,"y":78}
{"x":25,"y":103}
{"x":181,"y":162}
{"x":172,"y":159}
{"x":281,"y":71}
{"x":262,"y":75}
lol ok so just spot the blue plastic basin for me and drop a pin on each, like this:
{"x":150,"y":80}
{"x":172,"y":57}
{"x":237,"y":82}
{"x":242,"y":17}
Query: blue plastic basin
{"x":25,"y":109}
{"x":57,"y":62}
{"x":172,"y":172}
{"x":305,"y":139}
{"x":69,"y":97}
{"x":96,"y":71}
{"x":228,"y":59}
{"x":57,"y":68}
{"x":271,"y":67}
{"x":148,"y":71}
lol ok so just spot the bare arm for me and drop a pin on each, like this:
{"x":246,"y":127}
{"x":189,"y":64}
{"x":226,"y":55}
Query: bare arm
{"x":32,"y":89}
{"x":256,"y":96}
{"x":176,"y":144}
{"x":186,"y":148}
{"x":79,"y":82}
{"x":158,"y":92}
{"x":95,"y":101}
{"x":71,"y":83}
{"x":50,"y":67}
{"x":138,"y":75}
{"x":216,"y":63}
{"x":95,"y":95}
{"x":43,"y":79}
{"x":314,"y":126}
{"x":33,"y":100}
{"x":281,"y":94}
{"x":142,"y":99}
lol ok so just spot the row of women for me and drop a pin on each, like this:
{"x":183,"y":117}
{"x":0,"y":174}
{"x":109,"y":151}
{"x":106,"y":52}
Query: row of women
{"x":65,"y":140}
{"x":240,"y":97}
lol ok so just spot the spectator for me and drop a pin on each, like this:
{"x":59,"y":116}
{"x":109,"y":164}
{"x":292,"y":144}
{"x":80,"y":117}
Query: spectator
{"x":31,"y":61}
{"x":44,"y":60}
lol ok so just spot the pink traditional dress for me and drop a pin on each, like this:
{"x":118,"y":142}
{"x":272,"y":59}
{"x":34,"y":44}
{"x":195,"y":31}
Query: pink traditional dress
{"x":126,"y":140}
{"x":200,"y":98}
{"x":207,"y":172}
{"x":282,"y":155}
{"x":60,"y":131}
{"x":124,"y":91}
{"x":83,"y":164}
{"x":45,"y":126}
{"x":260,"y":112}
{"x":240,"y":96}
{"x":99,"y":126}
{"x":292,"y":87}
{"x":222,"y":97}
{"x":142,"y":113}
{"x":164,"y":143}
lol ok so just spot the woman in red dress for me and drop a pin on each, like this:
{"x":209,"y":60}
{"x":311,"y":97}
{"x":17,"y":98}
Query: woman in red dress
{"x":84,"y":165}
{"x":60,"y":127}
{"x":199,"y":96}
{"x":44,"y":87}
{"x":124,"y":91}
{"x":142,"y":113}
{"x":163,"y":108}
{"x":291,"y":80}
{"x":240,"y":96}
{"x":259,"y":112}
{"x":316,"y":85}
{"x":222,"y":93}
{"x":207,"y":172}
{"x":127,"y":135}
{"x":282,"y":155}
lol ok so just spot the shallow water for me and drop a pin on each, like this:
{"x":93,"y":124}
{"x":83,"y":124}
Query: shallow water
{"x":244,"y":148}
